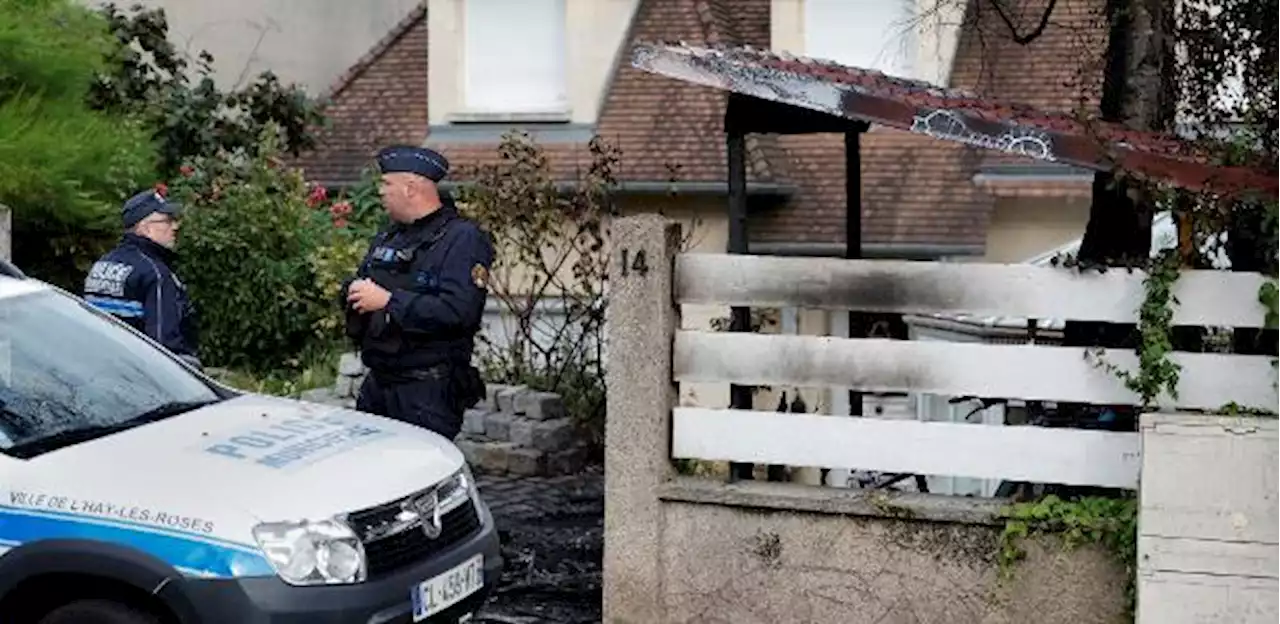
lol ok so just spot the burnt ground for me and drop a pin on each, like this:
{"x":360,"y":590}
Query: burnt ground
{"x":552,"y":532}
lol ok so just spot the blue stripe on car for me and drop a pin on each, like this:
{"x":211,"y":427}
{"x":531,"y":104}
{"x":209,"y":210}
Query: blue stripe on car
{"x":189,"y":552}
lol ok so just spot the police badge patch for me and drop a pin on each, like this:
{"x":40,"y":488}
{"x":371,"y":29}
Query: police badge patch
{"x":480,"y":276}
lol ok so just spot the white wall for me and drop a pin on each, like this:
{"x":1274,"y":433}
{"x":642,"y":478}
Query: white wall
{"x":908,"y":38}
{"x":310,"y":42}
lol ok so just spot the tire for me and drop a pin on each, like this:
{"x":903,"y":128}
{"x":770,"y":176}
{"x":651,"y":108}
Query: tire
{"x":98,"y":612}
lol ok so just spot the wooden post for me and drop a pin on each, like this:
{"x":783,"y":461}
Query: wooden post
{"x":641,"y":321}
{"x":853,"y":236}
{"x":1207,"y":523}
{"x":740,"y":397}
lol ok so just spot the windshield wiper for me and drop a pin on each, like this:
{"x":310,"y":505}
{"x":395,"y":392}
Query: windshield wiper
{"x":70,"y":437}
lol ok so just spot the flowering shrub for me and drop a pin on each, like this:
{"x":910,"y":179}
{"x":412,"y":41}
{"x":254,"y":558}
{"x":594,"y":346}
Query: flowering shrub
{"x":263,"y":255}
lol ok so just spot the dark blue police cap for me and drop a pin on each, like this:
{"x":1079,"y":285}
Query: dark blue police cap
{"x":139,"y":206}
{"x":427,"y":163}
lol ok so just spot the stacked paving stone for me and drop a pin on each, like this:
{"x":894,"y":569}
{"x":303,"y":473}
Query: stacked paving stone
{"x":514,"y":430}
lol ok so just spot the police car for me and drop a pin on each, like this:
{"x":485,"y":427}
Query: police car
{"x":135,"y":490}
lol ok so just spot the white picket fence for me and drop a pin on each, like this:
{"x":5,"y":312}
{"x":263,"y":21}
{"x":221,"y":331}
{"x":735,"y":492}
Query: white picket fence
{"x":1029,"y":372}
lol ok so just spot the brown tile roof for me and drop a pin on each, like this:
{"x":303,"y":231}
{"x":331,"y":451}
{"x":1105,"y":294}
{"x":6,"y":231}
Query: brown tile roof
{"x":915,"y":189}
{"x":664,"y":130}
{"x":381,"y":99}
{"x":918,"y":190}
{"x":990,"y":63}
{"x":1059,"y":70}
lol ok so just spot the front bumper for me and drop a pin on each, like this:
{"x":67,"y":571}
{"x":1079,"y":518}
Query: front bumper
{"x":385,"y":600}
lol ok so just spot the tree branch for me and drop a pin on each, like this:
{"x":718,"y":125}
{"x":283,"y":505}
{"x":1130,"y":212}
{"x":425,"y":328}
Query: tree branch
{"x":1013,"y":30}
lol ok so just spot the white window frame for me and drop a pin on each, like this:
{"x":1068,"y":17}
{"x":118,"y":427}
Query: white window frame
{"x":898,"y":50}
{"x":515,"y":65}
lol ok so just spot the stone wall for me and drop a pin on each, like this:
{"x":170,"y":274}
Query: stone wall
{"x":514,"y":430}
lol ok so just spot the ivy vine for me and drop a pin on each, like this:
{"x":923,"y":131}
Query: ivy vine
{"x":1111,"y":523}
{"x":1157,"y":372}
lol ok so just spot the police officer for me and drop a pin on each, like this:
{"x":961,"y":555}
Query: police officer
{"x":416,"y":301}
{"x":135,"y":283}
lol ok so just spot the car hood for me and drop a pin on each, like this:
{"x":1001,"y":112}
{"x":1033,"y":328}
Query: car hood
{"x":277,"y":459}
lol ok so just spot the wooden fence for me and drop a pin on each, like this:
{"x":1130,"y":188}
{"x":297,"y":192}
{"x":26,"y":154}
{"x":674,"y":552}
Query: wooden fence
{"x":1029,"y":372}
{"x":1207,"y":541}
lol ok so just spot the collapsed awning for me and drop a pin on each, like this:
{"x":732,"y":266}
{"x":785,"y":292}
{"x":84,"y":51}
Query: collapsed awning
{"x":950,"y":114}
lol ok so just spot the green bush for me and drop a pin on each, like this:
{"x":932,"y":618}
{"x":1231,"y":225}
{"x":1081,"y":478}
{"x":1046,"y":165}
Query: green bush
{"x":249,"y":246}
{"x":64,"y":167}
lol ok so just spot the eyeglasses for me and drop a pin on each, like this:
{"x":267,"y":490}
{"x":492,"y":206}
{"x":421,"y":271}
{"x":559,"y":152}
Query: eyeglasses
{"x":163,"y":220}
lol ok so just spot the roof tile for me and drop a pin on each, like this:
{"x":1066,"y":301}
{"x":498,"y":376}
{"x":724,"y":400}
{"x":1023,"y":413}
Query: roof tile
{"x":381,"y":99}
{"x":915,"y":189}
{"x":918,"y":190}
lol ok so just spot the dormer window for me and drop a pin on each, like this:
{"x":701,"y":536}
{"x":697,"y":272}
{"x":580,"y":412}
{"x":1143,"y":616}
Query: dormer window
{"x":514,"y":58}
{"x":871,"y":35}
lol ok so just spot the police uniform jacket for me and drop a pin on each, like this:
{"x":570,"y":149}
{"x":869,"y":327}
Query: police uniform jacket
{"x":134,"y":282}
{"x":437,"y":271}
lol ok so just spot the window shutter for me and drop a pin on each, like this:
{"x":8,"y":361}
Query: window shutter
{"x":514,"y":56}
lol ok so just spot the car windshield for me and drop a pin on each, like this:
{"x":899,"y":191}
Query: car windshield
{"x":68,"y":375}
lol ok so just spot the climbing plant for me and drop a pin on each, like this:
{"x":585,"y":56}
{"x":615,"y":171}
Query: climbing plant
{"x":1111,"y":523}
{"x":1157,"y":373}
{"x":1212,"y":69}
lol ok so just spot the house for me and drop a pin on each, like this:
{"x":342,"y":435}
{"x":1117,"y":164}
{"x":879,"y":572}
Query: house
{"x":247,"y":37}
{"x":457,"y":74}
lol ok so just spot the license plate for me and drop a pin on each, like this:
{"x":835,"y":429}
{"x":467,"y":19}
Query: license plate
{"x":445,"y":590}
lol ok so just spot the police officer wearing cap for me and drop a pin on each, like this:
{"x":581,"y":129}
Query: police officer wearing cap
{"x":135,"y":282}
{"x":416,"y":301}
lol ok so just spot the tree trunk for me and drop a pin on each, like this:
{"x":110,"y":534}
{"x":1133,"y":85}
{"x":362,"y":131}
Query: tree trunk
{"x":1137,"y":90}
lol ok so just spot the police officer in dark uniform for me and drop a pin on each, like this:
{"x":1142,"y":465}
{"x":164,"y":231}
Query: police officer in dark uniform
{"x":135,"y":283}
{"x":416,"y":301}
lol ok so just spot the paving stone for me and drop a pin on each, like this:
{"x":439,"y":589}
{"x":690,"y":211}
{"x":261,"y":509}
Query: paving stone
{"x":493,"y":457}
{"x":521,"y":431}
{"x":469,"y":449}
{"x":497,"y":426}
{"x":539,"y":405}
{"x":506,"y":398}
{"x":349,"y":365}
{"x":491,"y":391}
{"x":514,"y":499}
{"x":525,"y":461}
{"x":345,"y":386}
{"x":546,"y":435}
{"x":473,"y":421}
{"x":566,"y":461}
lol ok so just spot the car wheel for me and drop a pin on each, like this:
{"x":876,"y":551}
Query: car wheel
{"x":98,"y":612}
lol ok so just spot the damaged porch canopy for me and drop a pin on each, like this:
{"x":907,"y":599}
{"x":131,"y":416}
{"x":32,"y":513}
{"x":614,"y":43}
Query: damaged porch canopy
{"x":950,"y":114}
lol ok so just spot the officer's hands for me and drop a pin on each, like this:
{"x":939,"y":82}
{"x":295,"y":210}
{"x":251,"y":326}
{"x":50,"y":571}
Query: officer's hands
{"x":366,"y":296}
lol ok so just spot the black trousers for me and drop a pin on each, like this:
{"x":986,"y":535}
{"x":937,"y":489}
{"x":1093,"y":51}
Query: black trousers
{"x":423,"y":402}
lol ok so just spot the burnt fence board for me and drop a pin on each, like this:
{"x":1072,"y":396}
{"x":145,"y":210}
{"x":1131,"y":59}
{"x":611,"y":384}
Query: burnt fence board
{"x":1030,"y":372}
{"x":1036,"y":454}
{"x":1208,"y":298}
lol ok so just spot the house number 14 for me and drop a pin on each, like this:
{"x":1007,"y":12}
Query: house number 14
{"x":634,"y":262}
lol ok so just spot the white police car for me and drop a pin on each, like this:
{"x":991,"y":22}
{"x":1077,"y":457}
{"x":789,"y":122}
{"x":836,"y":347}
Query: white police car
{"x":134,"y":490}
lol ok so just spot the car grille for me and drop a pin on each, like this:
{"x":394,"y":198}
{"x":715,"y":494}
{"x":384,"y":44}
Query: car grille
{"x":389,"y":553}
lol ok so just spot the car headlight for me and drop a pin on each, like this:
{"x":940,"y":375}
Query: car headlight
{"x":312,"y":553}
{"x":456,"y":490}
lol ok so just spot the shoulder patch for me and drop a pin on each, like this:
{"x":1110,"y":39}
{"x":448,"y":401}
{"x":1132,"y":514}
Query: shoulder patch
{"x":480,"y":276}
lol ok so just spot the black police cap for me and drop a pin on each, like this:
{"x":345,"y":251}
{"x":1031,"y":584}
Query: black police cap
{"x":427,"y":163}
